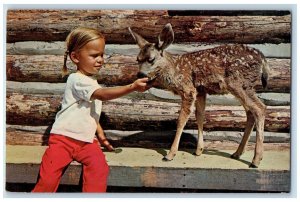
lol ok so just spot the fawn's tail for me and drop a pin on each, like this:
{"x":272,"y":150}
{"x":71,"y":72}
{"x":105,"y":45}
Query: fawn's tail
{"x":265,"y":73}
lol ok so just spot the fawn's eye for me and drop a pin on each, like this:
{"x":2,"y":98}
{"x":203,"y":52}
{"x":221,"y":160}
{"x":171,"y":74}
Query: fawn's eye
{"x":151,"y":60}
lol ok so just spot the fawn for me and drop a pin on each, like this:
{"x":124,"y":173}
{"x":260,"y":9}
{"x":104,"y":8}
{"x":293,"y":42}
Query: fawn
{"x":234,"y":69}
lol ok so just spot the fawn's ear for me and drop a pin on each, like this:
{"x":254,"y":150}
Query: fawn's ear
{"x":141,"y":42}
{"x":166,"y":37}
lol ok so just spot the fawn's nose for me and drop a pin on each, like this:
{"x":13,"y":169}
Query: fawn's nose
{"x":141,"y":75}
{"x":139,"y":60}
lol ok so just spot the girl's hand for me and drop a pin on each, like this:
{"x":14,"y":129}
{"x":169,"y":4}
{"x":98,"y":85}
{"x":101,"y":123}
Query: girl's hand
{"x":141,"y":85}
{"x":108,"y":146}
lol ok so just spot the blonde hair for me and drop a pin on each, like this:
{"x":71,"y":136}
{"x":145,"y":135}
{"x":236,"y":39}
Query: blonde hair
{"x":76,"y":40}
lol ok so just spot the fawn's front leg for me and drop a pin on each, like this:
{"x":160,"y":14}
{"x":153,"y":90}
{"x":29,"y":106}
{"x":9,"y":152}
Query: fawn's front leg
{"x":184,"y":114}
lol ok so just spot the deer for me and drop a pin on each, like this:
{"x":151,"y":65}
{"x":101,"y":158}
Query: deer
{"x":228,"y":68}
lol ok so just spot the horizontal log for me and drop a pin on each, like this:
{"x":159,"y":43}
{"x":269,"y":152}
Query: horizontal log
{"x":128,"y":114}
{"x":271,"y":99}
{"x":39,"y":135}
{"x":54,"y":25}
{"x":138,"y":167}
{"x":118,"y":70}
{"x":282,"y":50}
{"x":161,"y":115}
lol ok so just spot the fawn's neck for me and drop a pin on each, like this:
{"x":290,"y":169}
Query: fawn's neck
{"x":175,"y":73}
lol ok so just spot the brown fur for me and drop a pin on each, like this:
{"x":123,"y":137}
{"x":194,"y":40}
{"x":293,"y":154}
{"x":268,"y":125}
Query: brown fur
{"x":234,"y":69}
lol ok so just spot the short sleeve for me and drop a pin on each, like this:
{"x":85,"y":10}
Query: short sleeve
{"x":84,"y":88}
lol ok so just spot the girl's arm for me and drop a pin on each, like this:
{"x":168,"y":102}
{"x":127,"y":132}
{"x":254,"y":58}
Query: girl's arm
{"x":102,"y":138}
{"x":115,"y":92}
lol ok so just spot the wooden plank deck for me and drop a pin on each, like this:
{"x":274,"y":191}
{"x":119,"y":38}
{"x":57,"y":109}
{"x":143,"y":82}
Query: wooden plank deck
{"x":139,"y":167}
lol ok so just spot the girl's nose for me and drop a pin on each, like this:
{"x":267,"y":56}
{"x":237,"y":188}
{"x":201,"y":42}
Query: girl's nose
{"x":100,"y":60}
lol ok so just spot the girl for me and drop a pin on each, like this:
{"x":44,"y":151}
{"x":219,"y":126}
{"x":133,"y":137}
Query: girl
{"x":72,"y":134}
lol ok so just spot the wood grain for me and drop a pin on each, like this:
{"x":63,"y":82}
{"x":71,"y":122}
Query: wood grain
{"x":54,"y":25}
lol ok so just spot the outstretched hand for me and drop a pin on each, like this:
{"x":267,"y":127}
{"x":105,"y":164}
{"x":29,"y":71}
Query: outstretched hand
{"x":141,"y":85}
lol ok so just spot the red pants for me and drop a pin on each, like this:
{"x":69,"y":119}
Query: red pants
{"x":61,"y":152}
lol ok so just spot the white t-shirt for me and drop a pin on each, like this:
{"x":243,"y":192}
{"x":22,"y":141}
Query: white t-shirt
{"x":79,"y":114}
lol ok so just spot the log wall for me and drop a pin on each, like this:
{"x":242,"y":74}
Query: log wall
{"x":34,"y":89}
{"x":35,"y":50}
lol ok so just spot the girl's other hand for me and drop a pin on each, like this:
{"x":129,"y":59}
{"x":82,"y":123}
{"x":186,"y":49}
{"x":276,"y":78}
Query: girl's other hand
{"x":108,"y":146}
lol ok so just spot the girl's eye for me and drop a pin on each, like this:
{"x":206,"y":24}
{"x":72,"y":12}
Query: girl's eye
{"x":95,"y":56}
{"x":151,"y":60}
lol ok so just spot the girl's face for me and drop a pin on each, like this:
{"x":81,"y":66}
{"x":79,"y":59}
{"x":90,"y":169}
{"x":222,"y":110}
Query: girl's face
{"x":89,"y":59}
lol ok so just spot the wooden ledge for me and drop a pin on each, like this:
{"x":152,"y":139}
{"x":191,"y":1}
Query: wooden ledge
{"x":138,"y":167}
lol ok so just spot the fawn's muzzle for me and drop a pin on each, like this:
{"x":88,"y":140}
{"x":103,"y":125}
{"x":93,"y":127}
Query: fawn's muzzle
{"x":141,"y":75}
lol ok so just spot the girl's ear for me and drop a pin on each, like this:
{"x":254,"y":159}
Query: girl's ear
{"x":74,"y":57}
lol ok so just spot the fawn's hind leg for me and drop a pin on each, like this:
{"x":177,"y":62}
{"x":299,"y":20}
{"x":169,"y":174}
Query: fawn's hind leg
{"x":259,"y":115}
{"x":249,"y":127}
{"x":200,"y":110}
{"x":255,"y":110}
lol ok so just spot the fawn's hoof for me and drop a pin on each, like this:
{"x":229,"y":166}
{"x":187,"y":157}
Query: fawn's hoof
{"x":253,"y":166}
{"x":198,"y":152}
{"x":166,"y":159}
{"x":234,"y":156}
